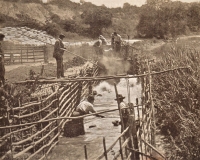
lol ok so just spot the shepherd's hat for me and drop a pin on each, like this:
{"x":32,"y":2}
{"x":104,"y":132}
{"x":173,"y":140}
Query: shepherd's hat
{"x":61,"y":36}
{"x":119,"y":96}
{"x":115,"y":33}
{"x":2,"y":35}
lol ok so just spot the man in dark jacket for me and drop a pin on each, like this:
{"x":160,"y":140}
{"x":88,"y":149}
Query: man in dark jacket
{"x":58,"y":55}
{"x":2,"y":67}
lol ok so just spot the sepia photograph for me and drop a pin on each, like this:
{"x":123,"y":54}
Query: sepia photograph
{"x":99,"y":79}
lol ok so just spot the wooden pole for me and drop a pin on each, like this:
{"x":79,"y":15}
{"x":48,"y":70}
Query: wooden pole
{"x":21,"y":54}
{"x":58,"y":118}
{"x":27,"y":53}
{"x":120,"y":150}
{"x":34,"y":53}
{"x":85,"y":149}
{"x":152,"y":105}
{"x":104,"y":147}
{"x":11,"y":148}
{"x":118,"y":104}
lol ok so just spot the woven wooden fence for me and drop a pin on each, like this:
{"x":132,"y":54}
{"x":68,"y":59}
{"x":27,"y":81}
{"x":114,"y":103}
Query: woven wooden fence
{"x":30,"y":138}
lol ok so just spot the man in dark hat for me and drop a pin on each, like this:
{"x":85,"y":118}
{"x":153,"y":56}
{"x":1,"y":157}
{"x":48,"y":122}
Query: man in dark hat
{"x":2,"y":67}
{"x":58,"y":55}
{"x":124,"y":109}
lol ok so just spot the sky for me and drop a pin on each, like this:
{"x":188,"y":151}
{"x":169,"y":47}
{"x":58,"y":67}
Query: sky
{"x":119,"y":3}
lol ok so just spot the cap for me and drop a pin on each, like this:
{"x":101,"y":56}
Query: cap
{"x":119,"y":96}
{"x":2,"y":35}
{"x":61,"y":36}
{"x":115,"y":33}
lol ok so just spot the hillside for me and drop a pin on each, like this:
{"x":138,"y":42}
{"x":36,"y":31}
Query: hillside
{"x":63,"y":16}
{"x":78,"y":21}
{"x":38,"y":11}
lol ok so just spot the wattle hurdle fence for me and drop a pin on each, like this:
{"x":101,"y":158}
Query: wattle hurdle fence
{"x":33,"y":136}
{"x":37,"y":126}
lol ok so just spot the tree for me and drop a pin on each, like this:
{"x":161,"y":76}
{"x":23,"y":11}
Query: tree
{"x":194,"y":16}
{"x":98,"y":19}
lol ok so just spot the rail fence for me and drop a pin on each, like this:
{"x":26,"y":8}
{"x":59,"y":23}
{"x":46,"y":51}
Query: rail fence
{"x":32,"y":135}
{"x":25,"y":54}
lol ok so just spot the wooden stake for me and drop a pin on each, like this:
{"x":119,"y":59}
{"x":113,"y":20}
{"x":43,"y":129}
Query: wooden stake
{"x":85,"y":149}
{"x":120,"y":150}
{"x":104,"y":147}
{"x":152,"y":105}
{"x":118,"y":104}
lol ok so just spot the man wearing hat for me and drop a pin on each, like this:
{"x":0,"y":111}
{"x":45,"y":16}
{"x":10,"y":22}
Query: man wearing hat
{"x":2,"y":67}
{"x":124,"y":109}
{"x":58,"y":55}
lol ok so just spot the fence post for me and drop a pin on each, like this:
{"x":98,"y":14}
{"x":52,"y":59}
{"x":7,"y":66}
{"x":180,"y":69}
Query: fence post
{"x":27,"y":54}
{"x":45,"y":54}
{"x":42,"y":70}
{"x":120,"y":150}
{"x":34,"y":53}
{"x":21,"y":54}
{"x":58,"y":114}
{"x":153,"y":130}
{"x":104,"y":147}
{"x":122,"y":123}
{"x":11,"y":148}
{"x":85,"y":149}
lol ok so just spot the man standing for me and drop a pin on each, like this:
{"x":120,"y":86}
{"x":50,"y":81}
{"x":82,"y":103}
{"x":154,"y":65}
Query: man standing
{"x":58,"y":55}
{"x":117,"y":41}
{"x":2,"y":67}
{"x":113,"y":41}
{"x":98,"y":48}
{"x":125,"y":111}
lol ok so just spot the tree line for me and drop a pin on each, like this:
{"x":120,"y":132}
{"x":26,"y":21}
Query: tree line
{"x":165,"y":20}
{"x":169,"y":20}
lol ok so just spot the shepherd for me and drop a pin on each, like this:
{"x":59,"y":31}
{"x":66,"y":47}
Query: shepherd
{"x":98,"y":46}
{"x":124,"y":108}
{"x":58,"y":55}
{"x":2,"y":67}
{"x":117,"y":41}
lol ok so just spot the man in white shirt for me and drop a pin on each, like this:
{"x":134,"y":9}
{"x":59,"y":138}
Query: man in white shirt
{"x":86,"y":107}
